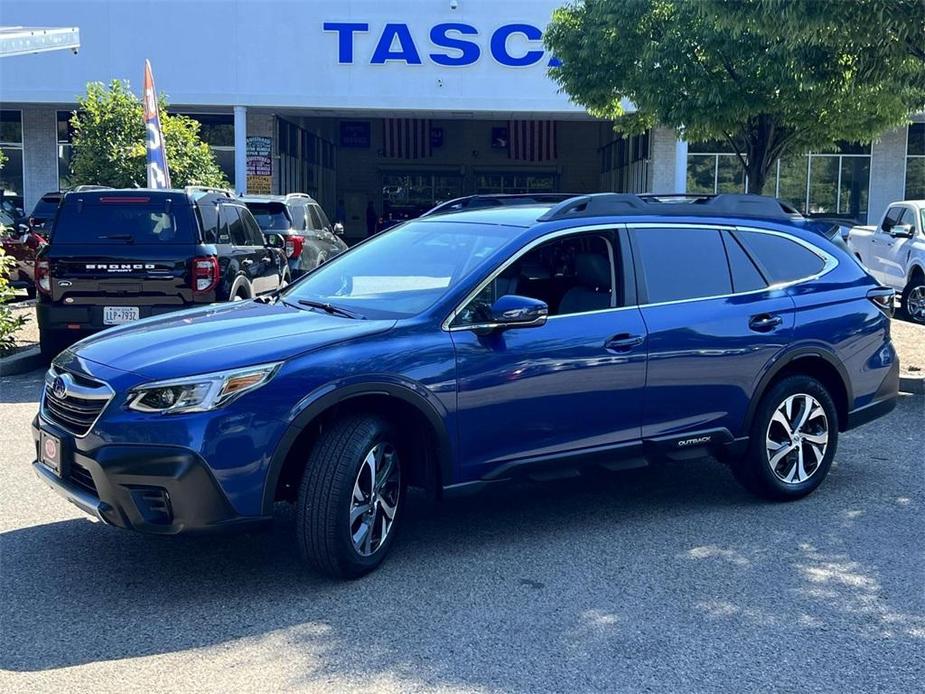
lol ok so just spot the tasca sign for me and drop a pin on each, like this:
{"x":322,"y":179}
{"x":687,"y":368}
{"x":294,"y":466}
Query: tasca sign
{"x":449,"y":44}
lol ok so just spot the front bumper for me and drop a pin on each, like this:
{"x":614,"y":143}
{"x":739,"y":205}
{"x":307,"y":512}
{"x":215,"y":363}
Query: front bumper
{"x":162,"y":490}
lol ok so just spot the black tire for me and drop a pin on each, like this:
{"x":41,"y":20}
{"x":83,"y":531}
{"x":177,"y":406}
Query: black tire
{"x":323,"y":526}
{"x":754,"y":470}
{"x":917,"y":284}
{"x":52,"y":343}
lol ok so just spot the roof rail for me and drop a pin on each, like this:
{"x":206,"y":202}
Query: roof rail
{"x":724,"y":204}
{"x":298,"y":195}
{"x":209,"y":189}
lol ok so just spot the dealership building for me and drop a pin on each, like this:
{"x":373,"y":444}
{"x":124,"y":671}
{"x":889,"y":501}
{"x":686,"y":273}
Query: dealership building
{"x":402,"y":104}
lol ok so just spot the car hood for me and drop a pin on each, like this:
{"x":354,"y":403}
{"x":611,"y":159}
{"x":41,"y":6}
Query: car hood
{"x":219,"y":337}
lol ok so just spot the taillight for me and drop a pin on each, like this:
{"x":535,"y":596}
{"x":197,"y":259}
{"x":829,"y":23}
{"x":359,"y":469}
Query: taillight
{"x":883,"y":298}
{"x":205,"y":273}
{"x":294,"y":245}
{"x":43,"y":276}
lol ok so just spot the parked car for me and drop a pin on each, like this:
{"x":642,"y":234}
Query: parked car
{"x":117,"y":256}
{"x":310,"y":237}
{"x":894,"y":252}
{"x":459,"y":350}
{"x":22,"y":244}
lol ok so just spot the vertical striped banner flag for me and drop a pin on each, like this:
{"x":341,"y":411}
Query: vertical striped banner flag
{"x":533,"y":140}
{"x":158,"y":173}
{"x":406,"y":138}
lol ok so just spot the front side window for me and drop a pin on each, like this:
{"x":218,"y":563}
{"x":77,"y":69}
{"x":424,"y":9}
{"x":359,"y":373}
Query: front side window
{"x":404,"y":271}
{"x":780,"y":259}
{"x":676,"y":264}
{"x":891,"y":218}
{"x":570,"y":275}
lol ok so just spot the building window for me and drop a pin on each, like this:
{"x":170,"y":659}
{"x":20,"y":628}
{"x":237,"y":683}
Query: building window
{"x":65,"y":149}
{"x":11,"y":145}
{"x":625,"y":164}
{"x":406,"y":195}
{"x":915,"y":162}
{"x":824,"y":183}
{"x":217,"y":131}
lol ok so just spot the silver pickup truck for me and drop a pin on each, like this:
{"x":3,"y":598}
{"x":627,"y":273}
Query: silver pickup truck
{"x":894,"y":253}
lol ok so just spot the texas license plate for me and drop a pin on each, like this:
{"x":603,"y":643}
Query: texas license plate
{"x":113,"y":315}
{"x":50,"y":452}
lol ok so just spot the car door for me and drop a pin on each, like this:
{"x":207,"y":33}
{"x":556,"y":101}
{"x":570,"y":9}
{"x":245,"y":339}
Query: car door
{"x":572,"y":385}
{"x":267,"y":262}
{"x":243,"y":254}
{"x":714,"y":323}
{"x":894,"y":251}
{"x":880,"y":242}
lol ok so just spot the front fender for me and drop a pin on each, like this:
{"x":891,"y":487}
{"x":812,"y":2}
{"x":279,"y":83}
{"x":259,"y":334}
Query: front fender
{"x":330,"y":394}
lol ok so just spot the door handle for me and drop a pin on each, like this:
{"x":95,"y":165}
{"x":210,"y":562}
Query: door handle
{"x":247,"y":261}
{"x":623,"y":342}
{"x":764,"y":322}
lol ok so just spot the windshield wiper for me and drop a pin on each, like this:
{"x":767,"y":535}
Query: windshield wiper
{"x":331,"y":308}
{"x":119,"y":237}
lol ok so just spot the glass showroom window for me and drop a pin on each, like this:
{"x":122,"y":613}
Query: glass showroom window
{"x":11,"y":145}
{"x":831,"y":183}
{"x":713,"y":167}
{"x":65,"y":149}
{"x":915,"y":162}
{"x":624,"y":164}
{"x":530,"y":182}
{"x":217,"y":130}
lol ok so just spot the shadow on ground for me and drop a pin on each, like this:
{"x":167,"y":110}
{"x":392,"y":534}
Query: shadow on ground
{"x":668,"y":577}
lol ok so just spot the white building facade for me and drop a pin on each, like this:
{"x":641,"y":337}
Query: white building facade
{"x":401,"y":104}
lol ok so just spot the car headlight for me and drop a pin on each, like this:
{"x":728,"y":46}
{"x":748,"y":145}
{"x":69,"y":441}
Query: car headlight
{"x":199,"y":393}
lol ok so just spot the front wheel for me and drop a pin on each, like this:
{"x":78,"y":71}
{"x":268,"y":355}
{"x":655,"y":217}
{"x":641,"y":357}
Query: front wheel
{"x":792,"y":442}
{"x":913,"y":299}
{"x":350,"y":499}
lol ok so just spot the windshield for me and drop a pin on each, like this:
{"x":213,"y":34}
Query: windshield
{"x":403,"y":271}
{"x":125,"y":220}
{"x":270,"y":216}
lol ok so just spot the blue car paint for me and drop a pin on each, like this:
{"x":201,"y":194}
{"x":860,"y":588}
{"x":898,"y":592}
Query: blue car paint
{"x":697,"y":367}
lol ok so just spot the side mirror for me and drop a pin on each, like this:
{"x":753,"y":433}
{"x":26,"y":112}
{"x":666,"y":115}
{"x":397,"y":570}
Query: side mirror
{"x":512,"y":311}
{"x":275,"y":241}
{"x":902,"y":231}
{"x":339,"y":229}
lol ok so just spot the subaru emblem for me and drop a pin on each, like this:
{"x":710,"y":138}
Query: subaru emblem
{"x":59,"y":388}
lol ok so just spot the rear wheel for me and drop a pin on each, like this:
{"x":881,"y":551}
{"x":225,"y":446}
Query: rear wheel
{"x":350,"y":498}
{"x":913,"y":298}
{"x":792,"y":442}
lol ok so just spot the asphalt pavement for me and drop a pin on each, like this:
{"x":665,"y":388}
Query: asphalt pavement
{"x":665,"y":579}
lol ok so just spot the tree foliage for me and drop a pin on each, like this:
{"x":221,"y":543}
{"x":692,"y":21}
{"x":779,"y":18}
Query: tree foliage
{"x":715,"y":75}
{"x":109,"y":142}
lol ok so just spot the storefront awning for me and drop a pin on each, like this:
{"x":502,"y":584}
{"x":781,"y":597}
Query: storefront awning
{"x":25,"y":40}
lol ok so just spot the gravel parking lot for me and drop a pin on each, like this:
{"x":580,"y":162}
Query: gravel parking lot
{"x":669,"y":578}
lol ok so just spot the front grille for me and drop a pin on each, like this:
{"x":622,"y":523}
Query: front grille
{"x":73,"y":402}
{"x":82,"y":478}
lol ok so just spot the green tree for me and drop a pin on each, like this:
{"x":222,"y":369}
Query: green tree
{"x":109,"y":142}
{"x":9,"y":323}
{"x":688,"y":66}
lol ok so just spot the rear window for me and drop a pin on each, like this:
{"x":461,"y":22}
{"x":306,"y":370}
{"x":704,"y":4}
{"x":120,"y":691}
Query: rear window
{"x":270,"y":216}
{"x":680,"y":264}
{"x":780,"y":259}
{"x":125,"y":220}
{"x":45,"y":207}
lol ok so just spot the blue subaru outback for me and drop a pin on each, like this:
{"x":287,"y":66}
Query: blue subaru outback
{"x":466,"y":348}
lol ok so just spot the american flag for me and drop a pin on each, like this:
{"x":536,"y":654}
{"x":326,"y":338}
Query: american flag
{"x":533,"y":140}
{"x":406,"y":138}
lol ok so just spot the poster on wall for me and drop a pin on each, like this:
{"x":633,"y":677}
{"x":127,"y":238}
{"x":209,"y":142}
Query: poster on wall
{"x":259,"y":165}
{"x":355,"y":134}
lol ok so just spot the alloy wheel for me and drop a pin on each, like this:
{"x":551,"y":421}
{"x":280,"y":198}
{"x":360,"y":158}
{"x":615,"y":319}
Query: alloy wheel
{"x":915,"y":303}
{"x":797,"y":438}
{"x":374,"y":504}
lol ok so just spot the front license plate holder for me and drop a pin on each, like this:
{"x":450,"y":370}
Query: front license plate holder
{"x":50,"y":454}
